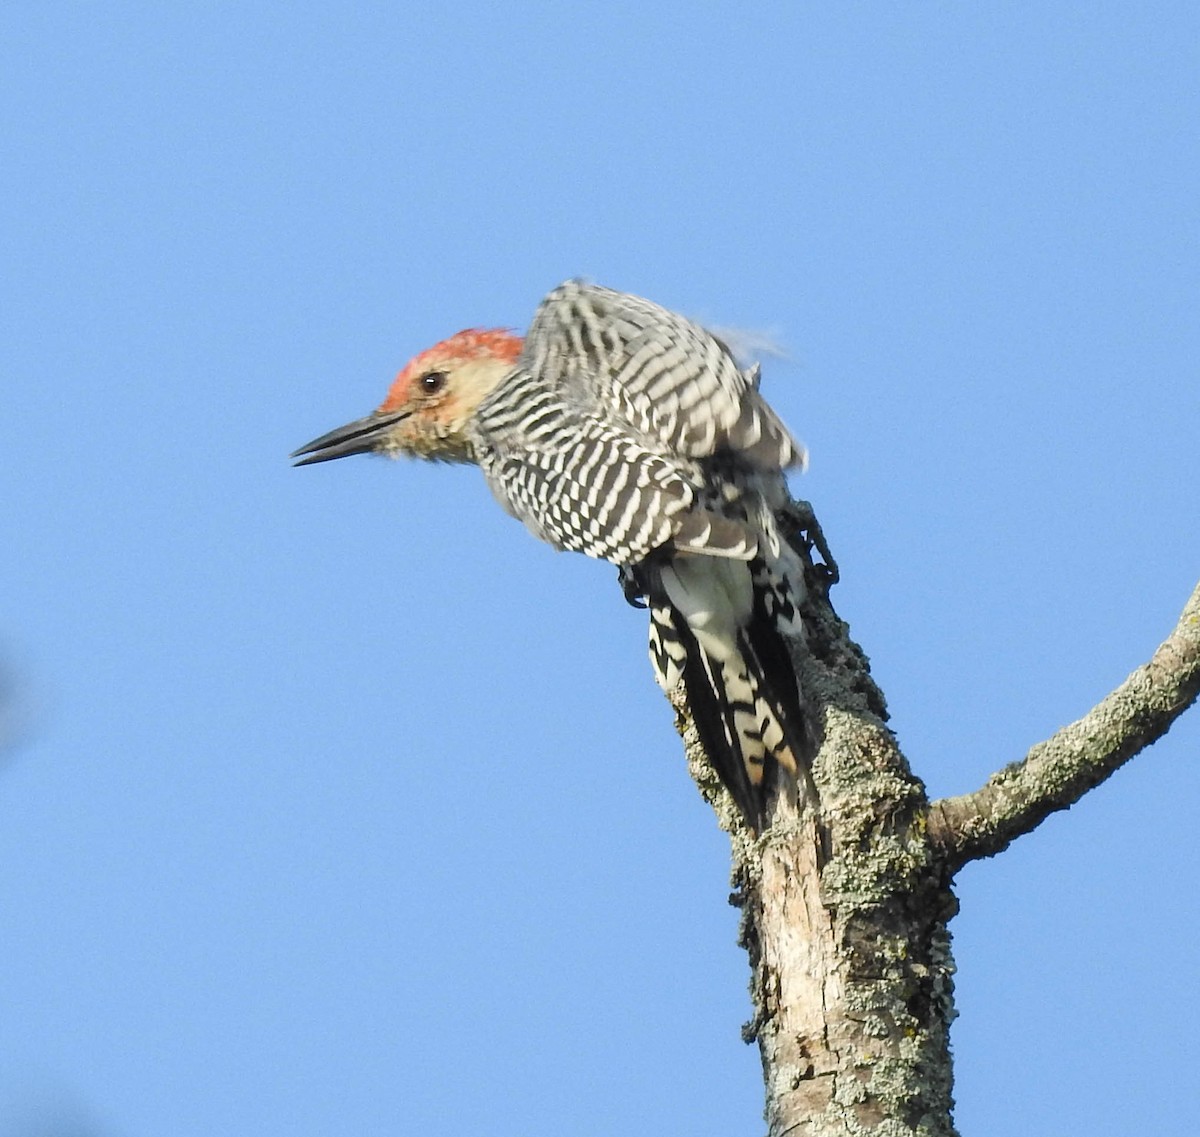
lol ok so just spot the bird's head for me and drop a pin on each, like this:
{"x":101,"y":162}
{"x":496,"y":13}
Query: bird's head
{"x":430,"y":404}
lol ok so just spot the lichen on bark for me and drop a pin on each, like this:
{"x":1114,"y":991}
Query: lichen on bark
{"x":846,"y":897}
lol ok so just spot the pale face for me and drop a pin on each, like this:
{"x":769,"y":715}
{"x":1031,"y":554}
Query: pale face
{"x":429,"y":406}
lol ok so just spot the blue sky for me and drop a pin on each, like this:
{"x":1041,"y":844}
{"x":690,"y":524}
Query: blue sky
{"x":338,"y":803}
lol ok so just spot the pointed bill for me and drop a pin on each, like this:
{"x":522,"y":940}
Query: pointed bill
{"x":358,"y":437}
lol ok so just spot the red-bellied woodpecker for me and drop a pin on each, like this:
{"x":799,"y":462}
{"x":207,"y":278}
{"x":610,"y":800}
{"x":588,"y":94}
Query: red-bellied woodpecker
{"x":624,"y":431}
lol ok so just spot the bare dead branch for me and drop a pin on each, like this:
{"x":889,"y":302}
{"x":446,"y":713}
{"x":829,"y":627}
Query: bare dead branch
{"x":1058,"y":772}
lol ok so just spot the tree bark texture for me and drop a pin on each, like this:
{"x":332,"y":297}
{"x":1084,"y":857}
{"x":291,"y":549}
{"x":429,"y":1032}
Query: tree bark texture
{"x":846,"y":897}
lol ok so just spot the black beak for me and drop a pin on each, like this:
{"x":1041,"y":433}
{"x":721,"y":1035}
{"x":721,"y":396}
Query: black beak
{"x":358,"y":437}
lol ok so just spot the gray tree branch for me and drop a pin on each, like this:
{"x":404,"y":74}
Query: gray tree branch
{"x":1056,"y":773}
{"x":846,"y":898}
{"x":844,"y":907}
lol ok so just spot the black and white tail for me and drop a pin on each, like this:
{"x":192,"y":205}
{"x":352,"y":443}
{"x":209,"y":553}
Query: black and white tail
{"x":722,"y":626}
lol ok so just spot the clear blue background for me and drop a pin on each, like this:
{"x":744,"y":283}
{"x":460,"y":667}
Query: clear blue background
{"x":333,"y":802}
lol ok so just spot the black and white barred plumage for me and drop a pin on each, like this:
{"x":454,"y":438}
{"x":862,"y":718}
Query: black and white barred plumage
{"x":628,"y":433}
{"x":624,"y":431}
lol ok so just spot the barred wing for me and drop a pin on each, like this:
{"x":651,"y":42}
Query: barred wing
{"x":670,"y":380}
{"x":586,"y":483}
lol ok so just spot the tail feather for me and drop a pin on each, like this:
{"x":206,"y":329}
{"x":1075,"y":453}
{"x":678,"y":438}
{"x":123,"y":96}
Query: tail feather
{"x":677,"y":655}
{"x":775,"y":621}
{"x":739,"y":678}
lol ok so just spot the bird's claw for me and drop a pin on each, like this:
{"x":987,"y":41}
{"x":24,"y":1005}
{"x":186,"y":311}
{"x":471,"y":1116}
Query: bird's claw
{"x":632,"y":585}
{"x":808,"y":528}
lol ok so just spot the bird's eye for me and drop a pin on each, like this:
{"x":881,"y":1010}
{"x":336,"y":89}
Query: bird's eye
{"x":432,"y":382}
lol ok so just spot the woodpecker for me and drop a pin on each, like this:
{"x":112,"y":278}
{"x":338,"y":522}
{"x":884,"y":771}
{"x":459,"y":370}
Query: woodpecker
{"x":624,"y":431}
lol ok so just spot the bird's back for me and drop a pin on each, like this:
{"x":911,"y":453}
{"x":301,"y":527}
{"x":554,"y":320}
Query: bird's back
{"x":604,"y":438}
